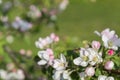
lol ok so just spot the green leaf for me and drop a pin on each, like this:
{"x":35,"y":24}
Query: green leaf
{"x":98,"y":72}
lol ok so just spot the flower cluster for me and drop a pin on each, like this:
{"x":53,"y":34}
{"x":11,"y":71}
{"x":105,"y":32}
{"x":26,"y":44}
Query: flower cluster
{"x":45,"y":42}
{"x":12,"y":73}
{"x":31,"y":14}
{"x":94,"y":62}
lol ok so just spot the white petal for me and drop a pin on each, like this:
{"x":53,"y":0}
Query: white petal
{"x":56,"y":63}
{"x":110,"y":78}
{"x":40,"y":53}
{"x":117,"y":42}
{"x":102,"y":77}
{"x":42,"y":62}
{"x":84,"y":64}
{"x":105,"y":38}
{"x":62,"y":58}
{"x":66,"y":75}
{"x":96,"y":32}
{"x":57,"y":75}
{"x":46,"y":56}
{"x":77,"y":61}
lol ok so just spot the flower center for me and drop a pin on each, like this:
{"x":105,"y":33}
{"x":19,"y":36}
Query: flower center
{"x":110,"y":43}
{"x":85,"y":58}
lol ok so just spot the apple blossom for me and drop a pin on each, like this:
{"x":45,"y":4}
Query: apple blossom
{"x":61,"y":75}
{"x":90,"y":71}
{"x":63,"y":5}
{"x":94,"y":56}
{"x":83,"y":59}
{"x":46,"y":56}
{"x":60,"y":64}
{"x":103,"y":77}
{"x":110,"y":78}
{"x":88,"y":56}
{"x":95,"y":45}
{"x":110,"y":39}
{"x":109,"y":65}
{"x":82,"y":75}
{"x":45,"y":42}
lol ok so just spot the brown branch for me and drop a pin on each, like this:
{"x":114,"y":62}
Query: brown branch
{"x":117,"y":72}
{"x":14,"y":59}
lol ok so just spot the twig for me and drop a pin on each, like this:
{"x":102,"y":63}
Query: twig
{"x":117,"y":72}
{"x":14,"y":59}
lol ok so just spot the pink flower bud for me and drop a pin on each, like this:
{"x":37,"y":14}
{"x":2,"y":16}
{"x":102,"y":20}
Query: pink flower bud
{"x":54,"y":37}
{"x":95,"y":45}
{"x":22,"y":52}
{"x":110,"y":52}
{"x":90,"y":71}
{"x":109,"y":65}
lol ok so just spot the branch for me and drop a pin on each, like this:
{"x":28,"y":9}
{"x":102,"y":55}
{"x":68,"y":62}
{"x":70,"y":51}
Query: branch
{"x":14,"y":59}
{"x":117,"y":72}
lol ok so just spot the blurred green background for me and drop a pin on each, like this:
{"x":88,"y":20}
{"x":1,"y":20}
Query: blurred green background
{"x":81,"y":19}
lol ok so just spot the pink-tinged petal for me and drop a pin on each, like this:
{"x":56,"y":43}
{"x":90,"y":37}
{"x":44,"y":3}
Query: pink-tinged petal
{"x":49,"y":51}
{"x":109,"y":65}
{"x":106,"y":31}
{"x":105,"y":38}
{"x":90,"y":71}
{"x":117,"y":42}
{"x":42,"y":62}
{"x":52,"y":35}
{"x":95,"y":45}
{"x":56,"y":39}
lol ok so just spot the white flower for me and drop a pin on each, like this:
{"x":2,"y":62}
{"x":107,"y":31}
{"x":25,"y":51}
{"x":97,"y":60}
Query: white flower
{"x":90,"y":71}
{"x":110,"y":78}
{"x":62,"y":75}
{"x":45,"y":42}
{"x":0,"y":1}
{"x":109,"y":65}
{"x":60,"y":64}
{"x":54,"y":37}
{"x":88,"y":56}
{"x":17,"y":75}
{"x":103,"y":77}
{"x":10,"y":39}
{"x":82,"y":75}
{"x":94,"y":57}
{"x":47,"y":57}
{"x":63,"y":4}
{"x":3,"y":74}
{"x":83,"y":59}
{"x":110,"y":39}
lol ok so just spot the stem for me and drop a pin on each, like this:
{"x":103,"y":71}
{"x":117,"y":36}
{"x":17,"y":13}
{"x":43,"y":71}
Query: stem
{"x":14,"y":59}
{"x":117,"y":72}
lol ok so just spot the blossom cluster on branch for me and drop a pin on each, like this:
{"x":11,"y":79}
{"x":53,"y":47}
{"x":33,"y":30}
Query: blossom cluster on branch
{"x":96,"y":61}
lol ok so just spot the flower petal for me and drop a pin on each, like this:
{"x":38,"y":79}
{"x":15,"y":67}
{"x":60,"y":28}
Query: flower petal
{"x":62,"y":58}
{"x":42,"y":62}
{"x":77,"y":61}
